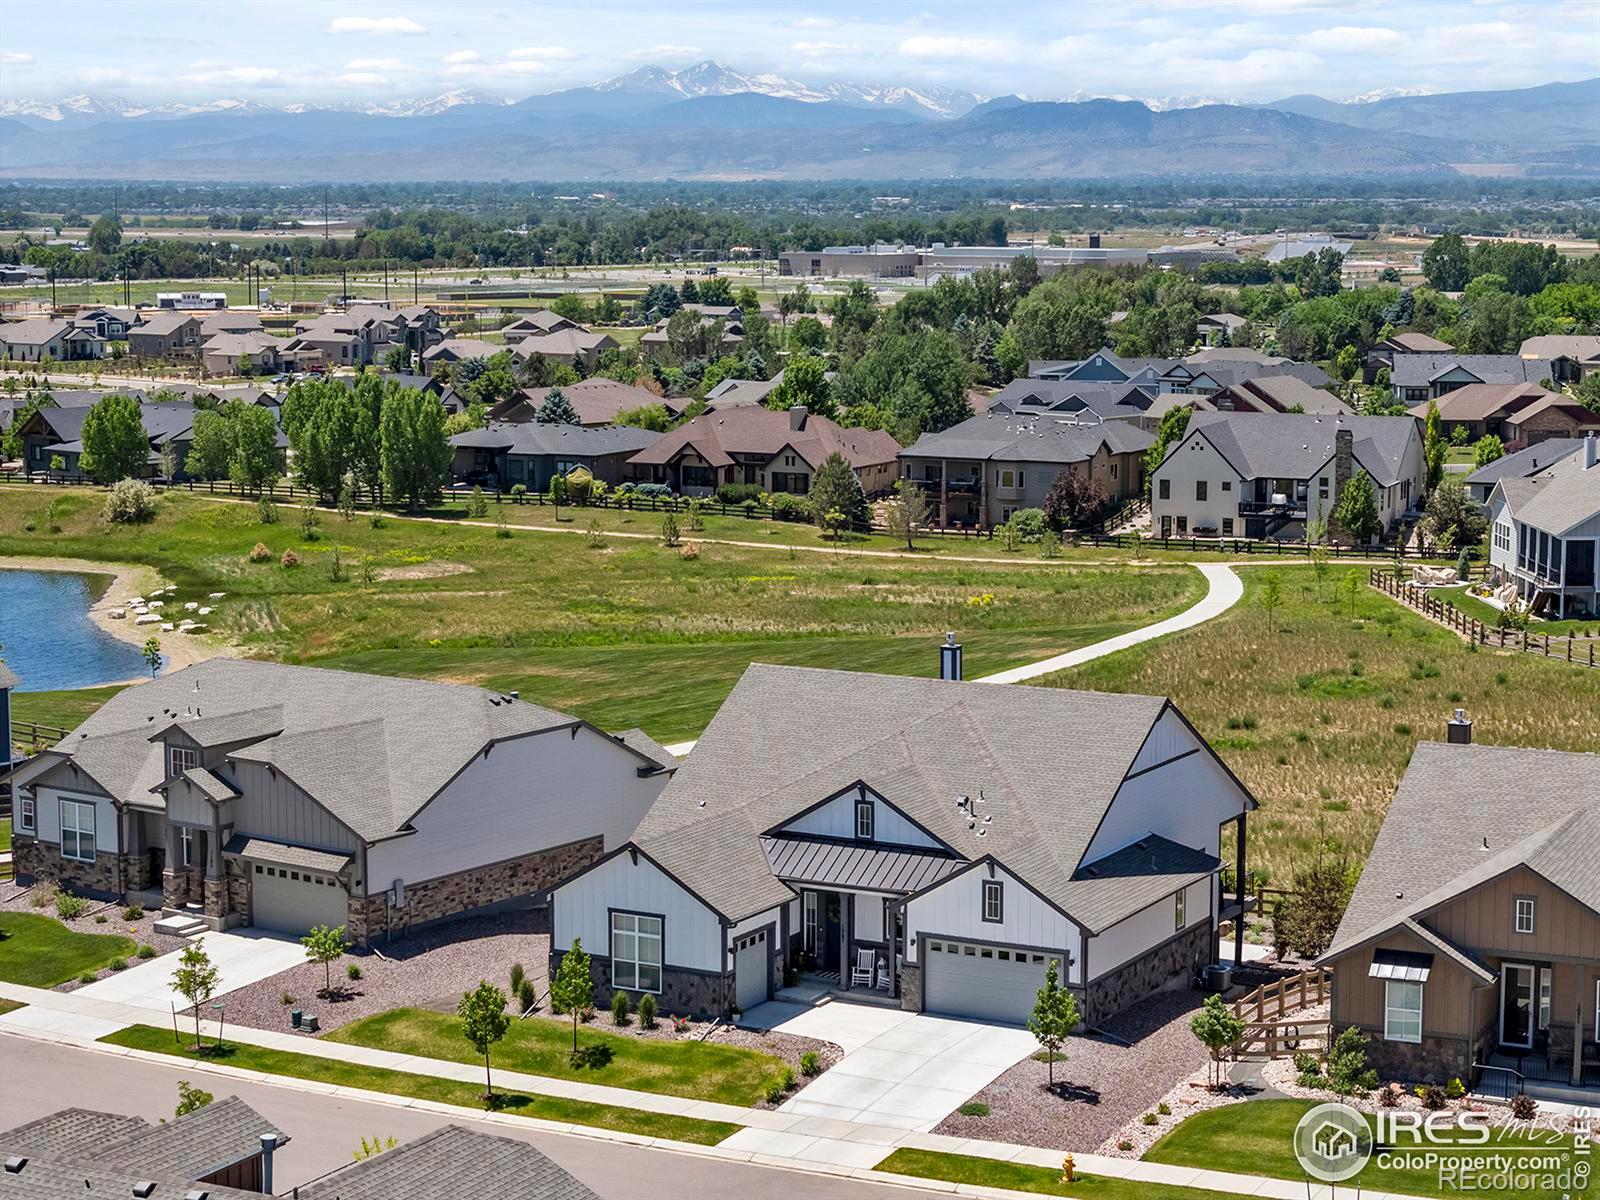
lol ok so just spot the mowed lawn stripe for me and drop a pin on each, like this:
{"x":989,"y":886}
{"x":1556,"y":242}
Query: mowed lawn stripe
{"x":427,"y":1087}
{"x":41,"y":952}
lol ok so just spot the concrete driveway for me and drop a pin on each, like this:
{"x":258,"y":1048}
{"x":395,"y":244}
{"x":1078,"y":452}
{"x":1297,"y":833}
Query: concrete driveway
{"x":903,"y":1070}
{"x":243,"y":956}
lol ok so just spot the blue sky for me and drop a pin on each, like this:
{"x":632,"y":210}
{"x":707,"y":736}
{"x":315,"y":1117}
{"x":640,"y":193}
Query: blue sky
{"x":291,"y":51}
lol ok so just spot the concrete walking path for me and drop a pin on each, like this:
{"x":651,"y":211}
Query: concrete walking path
{"x":795,"y":1140}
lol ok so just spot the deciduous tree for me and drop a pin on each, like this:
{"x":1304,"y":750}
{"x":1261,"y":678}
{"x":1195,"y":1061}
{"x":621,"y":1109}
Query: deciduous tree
{"x":1054,"y":1017}
{"x":484,"y":1022}
{"x":115,"y":445}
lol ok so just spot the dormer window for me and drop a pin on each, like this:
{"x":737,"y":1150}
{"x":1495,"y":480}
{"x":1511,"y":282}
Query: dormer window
{"x":181,"y":759}
{"x":865,"y":821}
{"x":1523,"y":914}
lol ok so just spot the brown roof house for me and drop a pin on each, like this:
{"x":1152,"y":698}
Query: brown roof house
{"x":597,"y":401}
{"x":575,"y":346}
{"x":777,"y":451}
{"x":1515,"y":412}
{"x":1471,"y":947}
{"x":1571,"y":356}
{"x":166,"y":335}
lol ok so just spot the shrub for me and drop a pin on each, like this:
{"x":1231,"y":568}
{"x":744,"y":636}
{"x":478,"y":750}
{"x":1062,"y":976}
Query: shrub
{"x":310,"y":522}
{"x":352,"y":971}
{"x":1388,"y":1096}
{"x":147,"y":951}
{"x":1455,"y":1089}
{"x":259,"y":553}
{"x":1308,"y":1064}
{"x":738,"y":493}
{"x":527,"y":996}
{"x":132,"y":913}
{"x":88,"y":977}
{"x":1030,"y":524}
{"x":810,"y":1064}
{"x":289,"y":560}
{"x":690,"y":552}
{"x":517,"y":976}
{"x":787,"y":507}
{"x":477,"y":506}
{"x":679,"y":1024}
{"x":669,"y":530}
{"x":1347,"y":1069}
{"x":118,"y":964}
{"x":1431,"y":1095}
{"x":43,"y":895}
{"x":286,"y":999}
{"x":654,"y":491}
{"x":130,"y":502}
{"x":1523,"y":1107}
{"x":775,"y":1091}
{"x":1164,"y":1109}
{"x":68,"y":906}
{"x":619,"y":1008}
{"x":695,"y":516}
{"x":1124,"y":1145}
{"x":974,"y":1108}
{"x":647,"y":1014}
{"x":1149,"y":1118}
{"x":100,"y":918}
{"x":586,"y":1013}
{"x":266,"y":511}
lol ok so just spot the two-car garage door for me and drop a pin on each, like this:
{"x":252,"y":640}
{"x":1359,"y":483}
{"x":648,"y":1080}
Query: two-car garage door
{"x":974,"y":979}
{"x":293,"y":900}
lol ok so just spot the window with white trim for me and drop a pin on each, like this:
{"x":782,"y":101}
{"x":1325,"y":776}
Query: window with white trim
{"x":27,"y":814}
{"x":864,"y":820}
{"x":1402,"y":1011}
{"x":186,"y":845}
{"x":993,"y":901}
{"x":182,"y":758}
{"x":635,"y":952}
{"x":1178,"y":903}
{"x":1523,"y":918}
{"x":77,"y":830}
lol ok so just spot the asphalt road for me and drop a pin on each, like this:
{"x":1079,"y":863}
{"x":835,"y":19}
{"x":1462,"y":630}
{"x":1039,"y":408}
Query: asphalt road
{"x":37,"y":1078}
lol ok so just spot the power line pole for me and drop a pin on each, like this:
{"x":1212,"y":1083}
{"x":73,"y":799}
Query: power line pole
{"x":413,"y":284}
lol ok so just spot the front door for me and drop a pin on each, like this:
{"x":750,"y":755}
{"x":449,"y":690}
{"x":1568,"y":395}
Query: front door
{"x":1166,"y":526}
{"x":832,"y":931}
{"x":1516,"y":1006}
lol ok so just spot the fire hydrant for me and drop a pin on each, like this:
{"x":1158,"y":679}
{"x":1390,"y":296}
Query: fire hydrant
{"x":1069,"y":1170}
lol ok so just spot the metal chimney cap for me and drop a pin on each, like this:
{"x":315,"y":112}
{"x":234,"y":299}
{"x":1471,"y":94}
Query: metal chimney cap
{"x":950,"y":637}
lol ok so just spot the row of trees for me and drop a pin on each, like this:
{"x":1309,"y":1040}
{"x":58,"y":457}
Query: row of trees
{"x":374,"y":436}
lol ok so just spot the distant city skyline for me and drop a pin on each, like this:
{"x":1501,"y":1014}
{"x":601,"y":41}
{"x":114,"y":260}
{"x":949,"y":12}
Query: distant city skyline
{"x":339,"y":52}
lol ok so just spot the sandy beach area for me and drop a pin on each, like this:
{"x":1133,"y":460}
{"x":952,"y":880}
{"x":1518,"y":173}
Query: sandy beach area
{"x":130,"y":579}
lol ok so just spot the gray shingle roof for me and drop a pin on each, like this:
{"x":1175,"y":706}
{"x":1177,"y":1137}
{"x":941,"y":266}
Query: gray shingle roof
{"x":72,"y":1133}
{"x":289,"y":856}
{"x":1463,"y":815}
{"x":1294,"y":445}
{"x":1558,"y":499}
{"x":452,"y":1163}
{"x":1033,"y":438}
{"x":369,"y":748}
{"x":643,"y":743}
{"x":1418,"y":370}
{"x":203,"y":1142}
{"x":531,"y":439}
{"x":45,"y":1180}
{"x":1530,"y":460}
{"x":919,"y":744}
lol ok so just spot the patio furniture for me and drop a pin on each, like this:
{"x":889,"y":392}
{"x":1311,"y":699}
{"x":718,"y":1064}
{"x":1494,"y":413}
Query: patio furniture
{"x":865,"y":964}
{"x":883,"y":976}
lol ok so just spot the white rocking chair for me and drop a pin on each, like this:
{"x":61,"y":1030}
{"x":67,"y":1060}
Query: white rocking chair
{"x":866,"y":964}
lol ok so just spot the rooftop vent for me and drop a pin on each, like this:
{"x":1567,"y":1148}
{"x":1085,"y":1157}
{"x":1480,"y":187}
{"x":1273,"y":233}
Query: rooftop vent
{"x":144,"y":1188}
{"x":1458,"y":731}
{"x":15,"y":1163}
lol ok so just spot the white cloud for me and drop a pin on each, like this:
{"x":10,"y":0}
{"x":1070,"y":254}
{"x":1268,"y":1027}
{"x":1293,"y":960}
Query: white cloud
{"x":485,"y":70}
{"x":931,"y":46}
{"x":813,"y":23}
{"x":362,"y":78}
{"x":825,"y":47}
{"x":374,"y":25}
{"x":241,"y":76}
{"x":554,"y":53}
{"x":462,"y":56}
{"x":664,"y":51}
{"x":1353,"y":39}
{"x":15,"y":58}
{"x":374,"y":64}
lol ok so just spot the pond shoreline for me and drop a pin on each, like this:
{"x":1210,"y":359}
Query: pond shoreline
{"x":125,"y":579}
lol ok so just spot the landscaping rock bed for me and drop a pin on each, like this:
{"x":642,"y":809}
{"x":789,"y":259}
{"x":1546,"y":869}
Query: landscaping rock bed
{"x":1107,"y":1084}
{"x":14,"y":898}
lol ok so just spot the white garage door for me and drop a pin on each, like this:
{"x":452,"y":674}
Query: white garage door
{"x":752,"y":961}
{"x":293,"y":900}
{"x":973,"y":979}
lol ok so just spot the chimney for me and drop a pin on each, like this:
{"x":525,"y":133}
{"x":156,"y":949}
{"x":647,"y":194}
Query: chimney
{"x":1459,"y":730}
{"x":269,"y":1143}
{"x":1094,"y":241}
{"x":950,"y":659}
{"x":1591,"y":452}
{"x":1343,"y":455}
{"x":797,"y":417}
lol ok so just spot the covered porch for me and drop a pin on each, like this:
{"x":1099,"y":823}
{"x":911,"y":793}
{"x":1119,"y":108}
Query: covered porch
{"x":1539,"y":1027}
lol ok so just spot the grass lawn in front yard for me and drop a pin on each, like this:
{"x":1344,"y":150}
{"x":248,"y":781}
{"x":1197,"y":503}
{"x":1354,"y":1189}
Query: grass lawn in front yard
{"x":1257,"y":1138}
{"x":426,"y":1087}
{"x":42,"y":952}
{"x":542,"y":1046}
{"x":1044,"y":1181}
{"x":1318,"y":710}
{"x":1457,"y":598}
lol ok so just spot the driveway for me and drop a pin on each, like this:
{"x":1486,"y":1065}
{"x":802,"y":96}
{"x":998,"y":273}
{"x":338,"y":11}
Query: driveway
{"x":242,"y":956}
{"x":902,"y":1070}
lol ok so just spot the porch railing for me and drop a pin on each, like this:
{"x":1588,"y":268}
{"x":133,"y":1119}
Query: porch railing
{"x":1283,"y":1039}
{"x":1281,"y":997}
{"x":1496,"y":1083}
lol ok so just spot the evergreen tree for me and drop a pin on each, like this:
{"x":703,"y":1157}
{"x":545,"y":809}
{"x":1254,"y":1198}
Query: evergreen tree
{"x":557,"y":410}
{"x":1434,"y":446}
{"x":835,"y":488}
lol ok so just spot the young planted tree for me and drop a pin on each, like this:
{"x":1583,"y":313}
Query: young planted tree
{"x":196,"y":980}
{"x":572,"y":988}
{"x":1357,"y":510}
{"x":484,"y":1022}
{"x":1074,"y":498}
{"x":909,"y":514}
{"x":1271,"y":598}
{"x":152,"y":655}
{"x":1217,"y":1028}
{"x":1350,"y":588}
{"x":1054,"y":1017}
{"x":325,"y":944}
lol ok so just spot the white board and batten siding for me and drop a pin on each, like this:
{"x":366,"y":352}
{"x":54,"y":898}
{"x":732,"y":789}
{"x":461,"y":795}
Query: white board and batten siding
{"x":837,"y":819}
{"x":693,"y":934}
{"x":1135,"y":936}
{"x":954,"y":909}
{"x":1182,"y":796}
{"x":528,"y":794}
{"x":272,"y":806}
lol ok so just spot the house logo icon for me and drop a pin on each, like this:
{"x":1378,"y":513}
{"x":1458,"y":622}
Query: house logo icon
{"x":1333,"y":1142}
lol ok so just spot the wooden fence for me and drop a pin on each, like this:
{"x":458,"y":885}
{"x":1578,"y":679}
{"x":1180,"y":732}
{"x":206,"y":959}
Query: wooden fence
{"x":1271,"y":1030}
{"x":1502,"y":638}
{"x":31,"y":733}
{"x":1283,"y":996}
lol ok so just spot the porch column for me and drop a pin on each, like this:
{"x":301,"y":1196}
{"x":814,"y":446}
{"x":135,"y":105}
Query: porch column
{"x":847,"y":929}
{"x":1577,"y":1023}
{"x":1239,"y":886}
{"x":944,"y":493}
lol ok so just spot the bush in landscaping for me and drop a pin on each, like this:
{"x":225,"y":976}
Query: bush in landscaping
{"x":690,"y":552}
{"x":1124,"y":1145}
{"x":266,"y":511}
{"x":260,"y":553}
{"x":619,"y":1008}
{"x":679,"y":1024}
{"x":669,"y":530}
{"x":1431,"y":1095}
{"x":1455,"y":1089}
{"x":738,"y":493}
{"x":289,"y":560}
{"x":1523,"y":1107}
{"x":527,"y":996}
{"x":517,"y":976}
{"x":653,"y":491}
{"x":1347,"y":1070}
{"x":130,"y":502}
{"x":518,"y":492}
{"x":787,"y":507}
{"x":88,"y":977}
{"x":1149,"y":1118}
{"x":100,"y":918}
{"x":1030,"y":524}
{"x":1164,"y":1109}
{"x":779,"y":1085}
{"x":68,"y":906}
{"x":586,"y":1013}
{"x":118,"y":964}
{"x":352,"y":971}
{"x":43,"y":895}
{"x":810,"y":1064}
{"x":132,"y":913}
{"x":477,"y":506}
{"x":147,"y":951}
{"x":647,"y":1011}
{"x":974,"y":1108}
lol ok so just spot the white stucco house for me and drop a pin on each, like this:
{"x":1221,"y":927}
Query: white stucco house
{"x":939,"y":841}
{"x":1544,"y":534}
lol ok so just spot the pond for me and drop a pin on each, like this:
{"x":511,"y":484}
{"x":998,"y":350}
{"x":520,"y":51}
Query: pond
{"x":51,"y":642}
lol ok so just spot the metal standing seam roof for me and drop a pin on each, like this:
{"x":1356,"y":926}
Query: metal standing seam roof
{"x":1408,"y":965}
{"x":855,"y":864}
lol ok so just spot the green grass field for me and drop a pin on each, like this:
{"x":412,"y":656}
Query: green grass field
{"x":628,"y":633}
{"x":1457,"y":598}
{"x":42,"y":952}
{"x":1016,"y":1177}
{"x":542,"y":1046}
{"x":1257,"y":1138}
{"x":426,"y":1087}
{"x":63,"y":710}
{"x":1317,"y":710}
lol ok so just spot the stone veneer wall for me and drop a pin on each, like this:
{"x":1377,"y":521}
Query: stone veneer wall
{"x":452,"y":895}
{"x":683,"y":993}
{"x":182,"y":885}
{"x":1433,"y":1060}
{"x":1180,"y":957}
{"x":33,"y":859}
{"x":911,"y":987}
